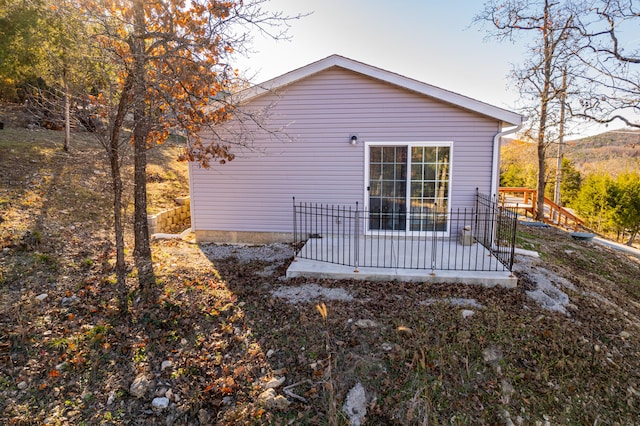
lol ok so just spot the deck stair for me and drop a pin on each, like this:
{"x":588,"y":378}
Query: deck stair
{"x":525,"y":200}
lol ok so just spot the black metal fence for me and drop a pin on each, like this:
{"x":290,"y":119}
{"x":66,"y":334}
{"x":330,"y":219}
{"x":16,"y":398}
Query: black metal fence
{"x":481,"y":238}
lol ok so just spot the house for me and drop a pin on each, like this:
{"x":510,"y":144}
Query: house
{"x":341,"y":132}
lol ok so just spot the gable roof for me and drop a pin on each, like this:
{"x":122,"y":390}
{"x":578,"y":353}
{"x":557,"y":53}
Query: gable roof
{"x":506,"y":116}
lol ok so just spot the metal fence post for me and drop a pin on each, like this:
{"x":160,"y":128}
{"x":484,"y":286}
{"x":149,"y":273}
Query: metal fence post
{"x":513,"y":242}
{"x":477,"y":213}
{"x":295,"y":231}
{"x":434,"y":244}
{"x":356,"y":239}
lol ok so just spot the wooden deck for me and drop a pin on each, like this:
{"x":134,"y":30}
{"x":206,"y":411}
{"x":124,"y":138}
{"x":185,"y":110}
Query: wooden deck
{"x":525,"y":200}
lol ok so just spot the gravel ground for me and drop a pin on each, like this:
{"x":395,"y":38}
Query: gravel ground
{"x":276,"y":252}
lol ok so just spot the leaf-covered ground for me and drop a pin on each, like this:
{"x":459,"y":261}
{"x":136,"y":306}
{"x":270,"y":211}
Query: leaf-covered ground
{"x":425,"y":354}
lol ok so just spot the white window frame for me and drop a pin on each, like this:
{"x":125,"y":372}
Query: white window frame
{"x":409,"y":145}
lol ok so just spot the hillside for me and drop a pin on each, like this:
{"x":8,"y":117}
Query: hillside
{"x":610,"y":152}
{"x":613,"y":152}
{"x":561,"y":348}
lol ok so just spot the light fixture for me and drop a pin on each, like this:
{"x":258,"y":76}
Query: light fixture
{"x":354,"y":140}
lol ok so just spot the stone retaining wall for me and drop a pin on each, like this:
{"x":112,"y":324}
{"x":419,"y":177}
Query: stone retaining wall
{"x":171,"y":221}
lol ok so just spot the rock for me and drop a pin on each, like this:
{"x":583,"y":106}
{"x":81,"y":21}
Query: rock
{"x":281,"y":403}
{"x":140,"y":386}
{"x":506,"y":416}
{"x":267,"y":397}
{"x":165,"y":365}
{"x":161,"y":391}
{"x":181,"y":201}
{"x":40,"y":298}
{"x":467,"y":313}
{"x":112,"y":398}
{"x":308,"y":292}
{"x":625,"y":335}
{"x":160,"y":403}
{"x":547,"y":294}
{"x":68,"y":301}
{"x":365,"y":323}
{"x":270,"y":399}
{"x":492,"y":355}
{"x":355,"y":406}
{"x":22,"y":385}
{"x":227,"y":400}
{"x":276,"y":382}
{"x":507,"y":391}
{"x":204,"y":417}
{"x":270,"y":353}
{"x":387,"y":347}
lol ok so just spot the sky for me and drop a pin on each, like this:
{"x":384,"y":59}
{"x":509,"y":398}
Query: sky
{"x":433,"y":41}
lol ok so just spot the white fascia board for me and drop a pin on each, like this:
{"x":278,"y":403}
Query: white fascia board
{"x":508,"y":118}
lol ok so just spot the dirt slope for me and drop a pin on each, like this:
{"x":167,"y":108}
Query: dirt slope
{"x":219,"y":332}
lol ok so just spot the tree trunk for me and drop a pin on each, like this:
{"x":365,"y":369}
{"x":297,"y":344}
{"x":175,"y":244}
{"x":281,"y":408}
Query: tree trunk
{"x":116,"y":179}
{"x":142,"y":251}
{"x":541,"y":180}
{"x":544,"y":106}
{"x":557,"y":197}
{"x":67,"y":112}
{"x":121,"y":266}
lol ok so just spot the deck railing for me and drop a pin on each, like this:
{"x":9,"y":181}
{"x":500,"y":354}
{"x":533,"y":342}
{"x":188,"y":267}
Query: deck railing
{"x":525,"y":200}
{"x":479,"y":238}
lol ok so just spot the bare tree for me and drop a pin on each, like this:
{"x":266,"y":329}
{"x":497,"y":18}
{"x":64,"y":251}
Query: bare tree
{"x":550,"y":26}
{"x":611,"y":56}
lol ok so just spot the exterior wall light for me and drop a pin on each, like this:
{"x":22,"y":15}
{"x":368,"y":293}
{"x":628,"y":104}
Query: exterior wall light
{"x":354,"y":140}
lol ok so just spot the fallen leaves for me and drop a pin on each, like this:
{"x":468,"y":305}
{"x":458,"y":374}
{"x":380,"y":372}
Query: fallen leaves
{"x":217,"y":322}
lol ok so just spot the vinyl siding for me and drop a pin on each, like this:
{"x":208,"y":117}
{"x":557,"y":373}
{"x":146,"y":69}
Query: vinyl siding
{"x":313,"y":160}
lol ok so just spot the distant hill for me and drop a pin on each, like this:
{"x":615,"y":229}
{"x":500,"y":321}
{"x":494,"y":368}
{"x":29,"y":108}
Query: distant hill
{"x":613,"y":152}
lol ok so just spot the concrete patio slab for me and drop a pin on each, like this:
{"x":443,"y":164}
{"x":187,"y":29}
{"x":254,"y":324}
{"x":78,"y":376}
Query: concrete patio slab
{"x":324,"y":270}
{"x":400,"y":259}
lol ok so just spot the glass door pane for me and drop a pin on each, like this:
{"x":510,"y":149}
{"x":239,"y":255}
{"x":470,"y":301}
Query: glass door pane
{"x":429,"y":202}
{"x":414,"y":181}
{"x":387,"y":188}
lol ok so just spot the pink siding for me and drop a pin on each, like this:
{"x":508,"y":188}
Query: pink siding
{"x":254,"y":192}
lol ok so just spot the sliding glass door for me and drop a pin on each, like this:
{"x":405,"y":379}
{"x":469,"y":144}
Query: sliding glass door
{"x":408,"y":187}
